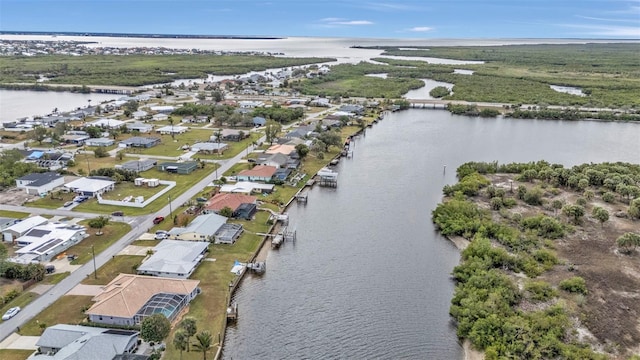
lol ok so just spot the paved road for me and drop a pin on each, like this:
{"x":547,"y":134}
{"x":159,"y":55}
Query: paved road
{"x":139,"y":225}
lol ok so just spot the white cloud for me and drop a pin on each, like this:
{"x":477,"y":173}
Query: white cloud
{"x":420,"y":29}
{"x":336,"y":22}
{"x":604,"y":30}
{"x":381,"y":6}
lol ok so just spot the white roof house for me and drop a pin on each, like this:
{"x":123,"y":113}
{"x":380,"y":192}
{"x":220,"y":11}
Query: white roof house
{"x":202,"y":228}
{"x":166,"y":109}
{"x":139,"y":126}
{"x":246,"y":187}
{"x":99,"y":142}
{"x":90,"y":186}
{"x":44,"y":242}
{"x":160,"y":117}
{"x":69,"y":342}
{"x":174,"y":259}
{"x":107,"y":123}
{"x":18,"y":229}
{"x":209,"y":147}
{"x":171,"y":129}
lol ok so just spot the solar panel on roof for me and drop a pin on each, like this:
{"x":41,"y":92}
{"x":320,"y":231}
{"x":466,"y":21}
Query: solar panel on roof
{"x":38,"y":232}
{"x":46,"y":246}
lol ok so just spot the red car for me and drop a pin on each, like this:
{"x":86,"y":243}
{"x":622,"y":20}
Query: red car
{"x":158,"y":220}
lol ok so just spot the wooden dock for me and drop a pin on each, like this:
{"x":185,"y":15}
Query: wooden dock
{"x":302,"y":197}
{"x":232,"y":312}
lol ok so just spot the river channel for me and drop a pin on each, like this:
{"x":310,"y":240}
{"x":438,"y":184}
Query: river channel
{"x":368,"y":276}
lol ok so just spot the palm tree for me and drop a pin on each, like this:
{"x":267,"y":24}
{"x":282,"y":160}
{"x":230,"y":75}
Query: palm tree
{"x":181,"y":341}
{"x":190,"y":328}
{"x":204,"y":343}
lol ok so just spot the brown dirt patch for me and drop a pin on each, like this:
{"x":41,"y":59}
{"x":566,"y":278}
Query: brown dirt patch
{"x":611,"y":309}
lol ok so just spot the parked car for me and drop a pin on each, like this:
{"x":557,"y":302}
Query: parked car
{"x":80,"y":199}
{"x":117,"y":213}
{"x":50,"y":269}
{"x":158,"y":220}
{"x":72,"y":257}
{"x":11,"y":313}
{"x":161,"y":235}
{"x":68,"y":203}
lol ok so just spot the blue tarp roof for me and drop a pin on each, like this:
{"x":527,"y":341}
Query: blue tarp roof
{"x":36,"y":155}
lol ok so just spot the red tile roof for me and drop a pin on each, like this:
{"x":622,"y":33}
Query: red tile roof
{"x":233,"y":201}
{"x":259,"y":171}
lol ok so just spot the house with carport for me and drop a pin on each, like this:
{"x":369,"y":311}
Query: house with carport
{"x":202,"y":228}
{"x":174,"y":259}
{"x":11,"y":233}
{"x":139,"y":142}
{"x":91,"y":186}
{"x":99,"y":142}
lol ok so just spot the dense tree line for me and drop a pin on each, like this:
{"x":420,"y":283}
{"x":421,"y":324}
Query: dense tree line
{"x":12,"y":168}
{"x":279,"y":114}
{"x":572,"y":114}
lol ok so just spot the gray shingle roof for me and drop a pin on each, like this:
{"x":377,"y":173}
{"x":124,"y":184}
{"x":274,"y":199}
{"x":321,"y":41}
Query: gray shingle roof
{"x":39,"y":179}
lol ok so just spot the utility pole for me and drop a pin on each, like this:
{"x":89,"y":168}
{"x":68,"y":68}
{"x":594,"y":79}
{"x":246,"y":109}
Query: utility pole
{"x":170,"y":211}
{"x":95,"y":271}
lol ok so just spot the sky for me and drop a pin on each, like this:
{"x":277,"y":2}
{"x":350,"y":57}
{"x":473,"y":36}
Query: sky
{"x":430,"y":19}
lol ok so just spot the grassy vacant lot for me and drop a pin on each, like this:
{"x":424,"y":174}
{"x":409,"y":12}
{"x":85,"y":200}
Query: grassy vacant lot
{"x":10,"y":354}
{"x":126,"y":264}
{"x":111,"y":233}
{"x":88,"y":162}
{"x":22,"y":300}
{"x":125,"y":189}
{"x":136,"y":70}
{"x":55,"y":278}
{"x":183,"y":182}
{"x":66,"y":310}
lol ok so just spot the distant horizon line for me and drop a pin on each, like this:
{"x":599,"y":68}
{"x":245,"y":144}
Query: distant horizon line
{"x":268,"y":37}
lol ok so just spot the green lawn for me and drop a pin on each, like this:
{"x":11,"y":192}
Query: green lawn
{"x":146,"y":242}
{"x":173,"y":146}
{"x":183,"y":182}
{"x":21,"y":300}
{"x":13,"y":214}
{"x":119,"y":264}
{"x":234,"y":148}
{"x":55,"y":278}
{"x":66,"y":310}
{"x":125,"y":189}
{"x":52,"y":201}
{"x":11,"y":354}
{"x":111,"y":233}
{"x":236,"y":168}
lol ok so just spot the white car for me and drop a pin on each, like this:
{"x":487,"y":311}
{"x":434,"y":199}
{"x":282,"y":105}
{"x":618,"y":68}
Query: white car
{"x":161,"y":235}
{"x":11,"y":313}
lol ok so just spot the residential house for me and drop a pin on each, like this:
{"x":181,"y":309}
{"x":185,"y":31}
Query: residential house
{"x":74,"y":139}
{"x":247,"y":187}
{"x":140,"y":127}
{"x":171,"y":129}
{"x":129,"y":299}
{"x":232,"y":135}
{"x":228,"y":234}
{"x":163,"y":109}
{"x":139,"y":142}
{"x":355,"y":109}
{"x":73,"y":342}
{"x":107,"y":123}
{"x":277,"y":160}
{"x":43,"y":242}
{"x":101,"y":142}
{"x":259,"y":121}
{"x":223,"y":200}
{"x":258,"y":173}
{"x":280,"y":149}
{"x":178,"y":167}
{"x":137,"y":165}
{"x":40,"y":183}
{"x":139,"y":115}
{"x":245,"y":211}
{"x":91,"y":186}
{"x":209,"y":148}
{"x":300,"y":132}
{"x":20,"y":228}
{"x":160,"y":117}
{"x":174,"y":259}
{"x":320,"y":102}
{"x":202,"y":228}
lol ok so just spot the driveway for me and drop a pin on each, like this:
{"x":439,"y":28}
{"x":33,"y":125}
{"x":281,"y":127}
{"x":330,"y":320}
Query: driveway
{"x":86,"y":290}
{"x":135,"y":250}
{"x":19,"y":342}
